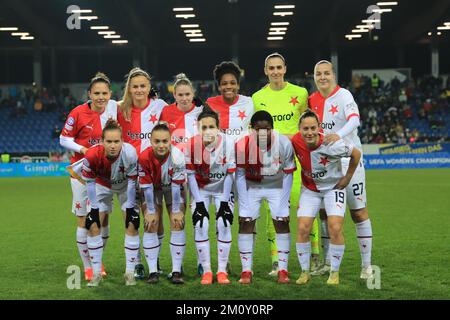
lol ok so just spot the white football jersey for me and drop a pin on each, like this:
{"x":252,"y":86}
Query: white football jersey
{"x":321,"y":167}
{"x":335,"y":111}
{"x":265,"y":167}
{"x":211,"y":165}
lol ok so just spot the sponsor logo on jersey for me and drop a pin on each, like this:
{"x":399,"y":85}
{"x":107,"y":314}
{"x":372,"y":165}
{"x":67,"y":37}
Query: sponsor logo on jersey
{"x":283,"y":117}
{"x":327,"y":125}
{"x":70,"y":121}
{"x":139,"y":135}
{"x":93,"y":141}
{"x":216,"y":175}
{"x":316,"y":175}
{"x":233,"y":131}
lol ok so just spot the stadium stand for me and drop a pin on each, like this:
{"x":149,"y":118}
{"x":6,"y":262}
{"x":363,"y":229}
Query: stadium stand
{"x":410,"y":112}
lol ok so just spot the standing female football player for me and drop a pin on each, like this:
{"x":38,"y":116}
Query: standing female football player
{"x":111,"y":168}
{"x":140,"y":112}
{"x":161,"y":177}
{"x":210,"y":165}
{"x":83,"y":129}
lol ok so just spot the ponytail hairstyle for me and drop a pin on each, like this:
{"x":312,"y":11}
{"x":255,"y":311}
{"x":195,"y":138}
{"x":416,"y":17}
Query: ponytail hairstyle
{"x":99,"y":77}
{"x":182,"y":79}
{"x":127,"y":101}
{"x":111,"y":125}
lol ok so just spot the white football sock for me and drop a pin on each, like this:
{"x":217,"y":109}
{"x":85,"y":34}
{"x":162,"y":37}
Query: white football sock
{"x":177,"y":249}
{"x":95,"y":247}
{"x":151,"y":246}
{"x":82,"y":247}
{"x":304,"y":255}
{"x":336,"y":255}
{"x":202,"y":244}
{"x":131,"y":252}
{"x":105,"y":235}
{"x":364,"y":234}
{"x":223,"y":245}
{"x":245,"y":244}
{"x":283,"y":246}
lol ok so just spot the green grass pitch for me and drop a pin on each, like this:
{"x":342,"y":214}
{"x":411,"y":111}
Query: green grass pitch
{"x":409,"y":210}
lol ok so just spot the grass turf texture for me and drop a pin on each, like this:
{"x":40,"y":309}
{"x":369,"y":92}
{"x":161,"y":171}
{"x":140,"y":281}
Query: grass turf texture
{"x":408,"y":209}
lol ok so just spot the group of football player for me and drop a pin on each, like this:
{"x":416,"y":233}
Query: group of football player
{"x":231,"y":148}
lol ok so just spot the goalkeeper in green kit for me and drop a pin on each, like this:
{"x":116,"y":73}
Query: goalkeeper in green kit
{"x":285,"y":102}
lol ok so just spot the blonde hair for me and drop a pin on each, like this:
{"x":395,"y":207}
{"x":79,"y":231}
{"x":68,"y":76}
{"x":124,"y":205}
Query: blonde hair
{"x":182,"y":79}
{"x":127,"y":101}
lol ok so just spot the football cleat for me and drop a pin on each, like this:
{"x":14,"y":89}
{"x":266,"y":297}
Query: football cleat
{"x":139,"y":272}
{"x":283,"y":276}
{"x":176,"y":278}
{"x":129,"y":279}
{"x":207,"y":278}
{"x":103,"y":273}
{"x":88,"y":274}
{"x":366,"y":273}
{"x":246,"y":277}
{"x":304,"y":278}
{"x":322,"y":270}
{"x":153,"y":278}
{"x":95,"y":281}
{"x":315,"y":262}
{"x":222,"y":278}
{"x":274,"y":271}
{"x":333,"y":279}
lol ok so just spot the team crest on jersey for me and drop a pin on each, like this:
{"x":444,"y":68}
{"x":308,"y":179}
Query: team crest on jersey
{"x":294,"y":101}
{"x":333,"y":109}
{"x":324,"y":161}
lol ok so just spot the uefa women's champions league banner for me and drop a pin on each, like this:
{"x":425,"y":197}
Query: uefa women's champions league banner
{"x":41,"y":169}
{"x":407,"y":161}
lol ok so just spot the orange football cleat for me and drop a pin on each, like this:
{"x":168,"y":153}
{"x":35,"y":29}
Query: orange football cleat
{"x":283,"y":276}
{"x":88,"y":274}
{"x":207,"y":278}
{"x":222,"y":278}
{"x":246,"y":277}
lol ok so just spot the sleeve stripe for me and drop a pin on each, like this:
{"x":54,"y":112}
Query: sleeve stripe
{"x":178,"y":181}
{"x":353,"y":115}
{"x":231,"y":170}
{"x":287,"y":171}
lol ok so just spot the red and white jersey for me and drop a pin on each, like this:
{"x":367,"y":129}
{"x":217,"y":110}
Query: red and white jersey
{"x":138,"y":131}
{"x":265,"y":168}
{"x":335,"y":111}
{"x":161,"y":173}
{"x":182,"y":125}
{"x":321,"y":167}
{"x":85,"y":126}
{"x":211,"y":164}
{"x":234,"y":118}
{"x":112,"y":174}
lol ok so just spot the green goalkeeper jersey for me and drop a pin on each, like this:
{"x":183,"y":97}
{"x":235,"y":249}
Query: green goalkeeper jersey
{"x":284,"y":105}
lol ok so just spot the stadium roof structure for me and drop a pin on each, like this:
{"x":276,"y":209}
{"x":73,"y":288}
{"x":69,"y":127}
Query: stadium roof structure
{"x":229,"y":27}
